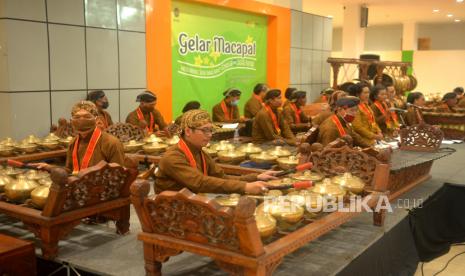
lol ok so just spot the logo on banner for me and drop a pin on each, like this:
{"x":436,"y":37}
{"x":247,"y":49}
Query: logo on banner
{"x":212,"y":57}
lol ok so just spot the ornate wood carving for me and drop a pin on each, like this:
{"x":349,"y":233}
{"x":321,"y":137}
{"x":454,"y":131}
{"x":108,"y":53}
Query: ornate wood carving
{"x":126,"y":132}
{"x":271,"y":267}
{"x":50,"y":236}
{"x":107,"y":183}
{"x":64,"y":128}
{"x":452,"y":124}
{"x":97,"y":184}
{"x":421,"y":137}
{"x":330,"y":161}
{"x":185,"y":215}
{"x":162,"y":254}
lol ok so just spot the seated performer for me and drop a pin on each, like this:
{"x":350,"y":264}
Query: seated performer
{"x":293,"y":113}
{"x":395,"y":100}
{"x":186,"y":165}
{"x":255,"y":103}
{"x":449,"y":102}
{"x":364,"y":123}
{"x":100,"y":100}
{"x":227,"y":111}
{"x":339,"y":124}
{"x":147,"y":117}
{"x":91,"y":145}
{"x":288,"y":96}
{"x":322,"y":116}
{"x":386,"y":120}
{"x":461,"y":98}
{"x":325,"y":95}
{"x":459,"y":91}
{"x":269,"y":124}
{"x":189,"y":106}
{"x":414,"y":115}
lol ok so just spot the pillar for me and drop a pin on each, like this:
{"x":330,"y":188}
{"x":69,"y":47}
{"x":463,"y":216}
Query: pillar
{"x":353,"y":36}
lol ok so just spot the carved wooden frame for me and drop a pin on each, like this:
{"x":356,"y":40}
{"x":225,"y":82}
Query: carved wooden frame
{"x":445,"y":120}
{"x":251,"y":257}
{"x":126,"y":132}
{"x":55,"y":222}
{"x":421,"y":137}
{"x":331,"y":161}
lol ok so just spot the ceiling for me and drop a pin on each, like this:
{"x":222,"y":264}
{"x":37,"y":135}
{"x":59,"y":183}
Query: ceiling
{"x":383,"y":12}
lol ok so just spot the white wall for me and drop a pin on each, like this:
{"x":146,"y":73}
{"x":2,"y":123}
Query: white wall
{"x":377,"y":38}
{"x":383,"y":38}
{"x":450,"y":36}
{"x":439,"y":71}
{"x":53,"y":52}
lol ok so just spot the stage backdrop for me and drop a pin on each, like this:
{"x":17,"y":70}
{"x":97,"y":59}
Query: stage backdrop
{"x":214,"y":49}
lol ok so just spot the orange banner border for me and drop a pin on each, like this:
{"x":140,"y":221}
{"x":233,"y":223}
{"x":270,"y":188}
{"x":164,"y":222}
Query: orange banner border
{"x":158,"y":45}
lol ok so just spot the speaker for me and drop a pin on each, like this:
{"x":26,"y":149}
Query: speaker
{"x":364,"y":17}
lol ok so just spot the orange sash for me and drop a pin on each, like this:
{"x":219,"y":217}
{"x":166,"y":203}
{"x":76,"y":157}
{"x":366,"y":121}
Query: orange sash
{"x":89,"y":151}
{"x":297,"y":112}
{"x":367,"y":111}
{"x":274,"y":119}
{"x":258,"y":98}
{"x":382,"y":107}
{"x":140,"y":115}
{"x":227,"y":115}
{"x":395,"y":118}
{"x":185,"y":149}
{"x":338,"y":124}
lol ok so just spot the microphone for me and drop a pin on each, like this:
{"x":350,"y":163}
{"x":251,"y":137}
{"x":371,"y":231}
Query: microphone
{"x":414,"y":105}
{"x":297,"y":185}
{"x":394,"y":109}
{"x":302,"y":167}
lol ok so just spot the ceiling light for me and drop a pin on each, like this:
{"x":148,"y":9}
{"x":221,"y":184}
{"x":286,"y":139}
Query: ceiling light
{"x":435,"y":10}
{"x":450,"y":15}
{"x":330,"y":16}
{"x":457,"y":20}
{"x":459,"y":1}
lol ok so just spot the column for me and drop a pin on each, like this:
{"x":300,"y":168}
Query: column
{"x":409,"y":36}
{"x":353,"y":36}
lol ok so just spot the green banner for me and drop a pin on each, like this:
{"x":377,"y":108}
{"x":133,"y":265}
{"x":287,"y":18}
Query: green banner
{"x":214,"y":49}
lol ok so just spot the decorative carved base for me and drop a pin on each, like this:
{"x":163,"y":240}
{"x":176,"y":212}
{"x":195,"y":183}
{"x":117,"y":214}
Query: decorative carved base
{"x":122,"y":223}
{"x":155,"y":255}
{"x":50,"y":236}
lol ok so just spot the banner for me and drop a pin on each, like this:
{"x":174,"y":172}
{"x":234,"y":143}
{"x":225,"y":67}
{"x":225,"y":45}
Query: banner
{"x":214,"y":49}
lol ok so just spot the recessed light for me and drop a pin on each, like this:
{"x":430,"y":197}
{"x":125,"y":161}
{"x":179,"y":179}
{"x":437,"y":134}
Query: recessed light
{"x":330,"y":16}
{"x":450,"y":15}
{"x":457,"y":20}
{"x":459,"y":1}
{"x":435,"y":10}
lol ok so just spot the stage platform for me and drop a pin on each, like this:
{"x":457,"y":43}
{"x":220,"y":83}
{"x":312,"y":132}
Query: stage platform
{"x":98,"y":249}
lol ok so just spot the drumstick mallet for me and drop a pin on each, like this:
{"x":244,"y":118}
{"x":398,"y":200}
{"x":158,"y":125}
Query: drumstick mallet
{"x":297,"y":185}
{"x":21,"y":165}
{"x":299,"y":168}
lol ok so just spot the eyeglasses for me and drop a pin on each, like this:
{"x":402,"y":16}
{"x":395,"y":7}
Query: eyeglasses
{"x":206,"y":131}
